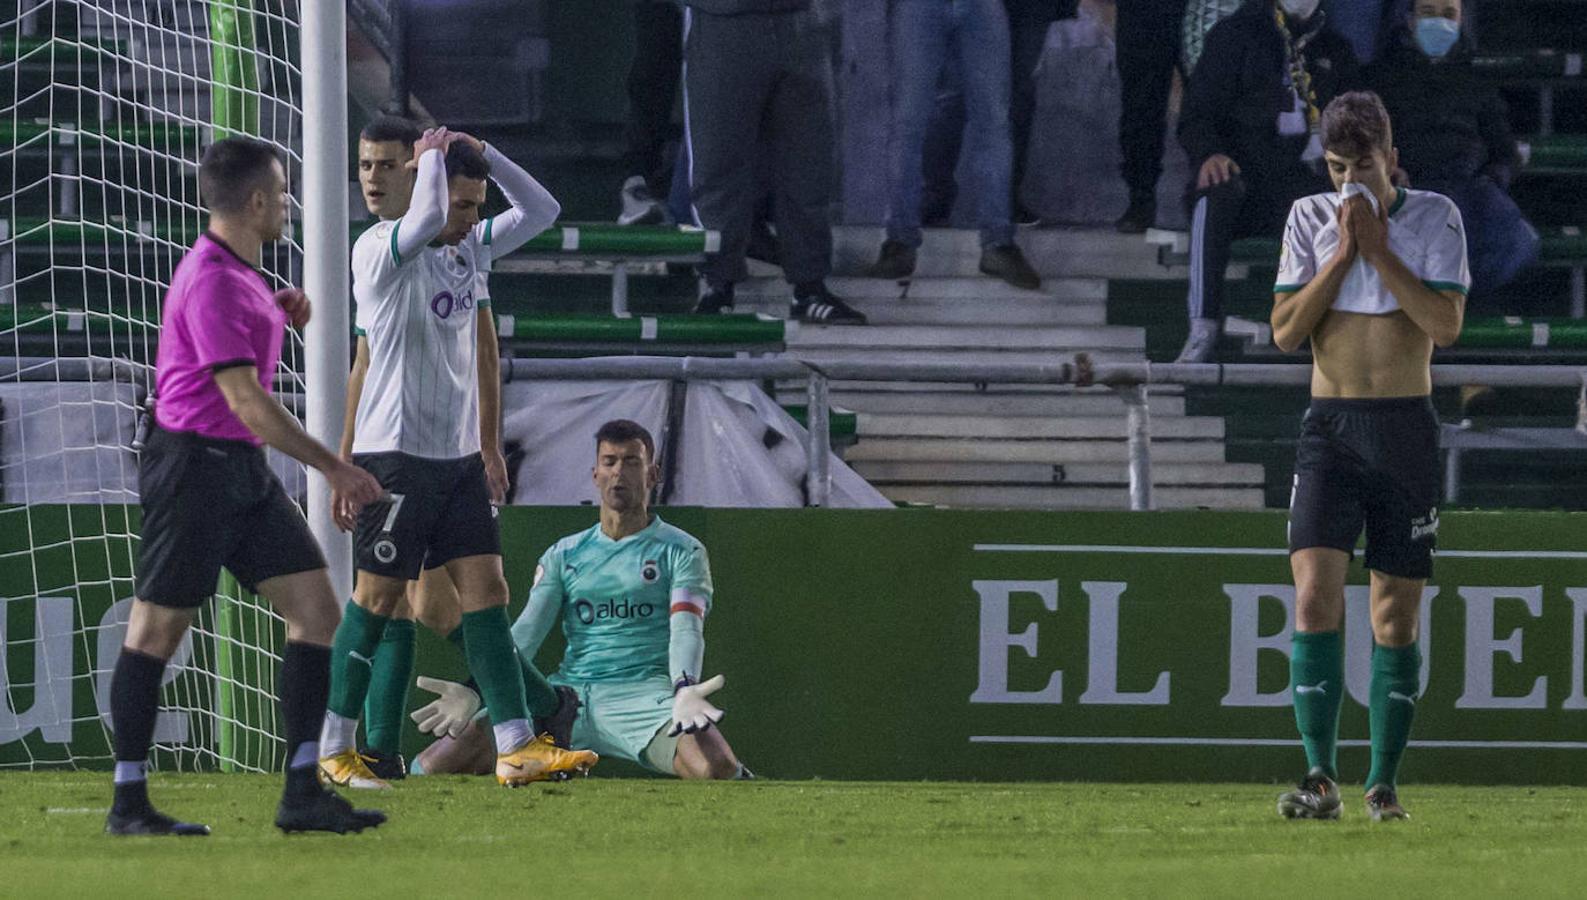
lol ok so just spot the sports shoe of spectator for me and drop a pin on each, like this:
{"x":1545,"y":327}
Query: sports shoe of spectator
{"x":1141,"y":215}
{"x":819,"y":306}
{"x":1202,"y":343}
{"x":897,"y":260}
{"x":1005,"y":261}
{"x":639,"y":208}
{"x":715,"y":300}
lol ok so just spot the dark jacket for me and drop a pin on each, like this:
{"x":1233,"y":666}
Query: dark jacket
{"x":746,"y":7}
{"x":1235,"y":94}
{"x":1449,"y":124}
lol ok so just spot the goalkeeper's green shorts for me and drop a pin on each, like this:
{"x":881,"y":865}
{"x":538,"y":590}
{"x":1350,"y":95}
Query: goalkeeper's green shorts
{"x":626,"y":719}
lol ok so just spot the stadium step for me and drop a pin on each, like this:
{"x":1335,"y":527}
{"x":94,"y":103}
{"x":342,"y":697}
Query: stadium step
{"x":948,"y":301}
{"x":883,"y":473}
{"x":992,"y":428}
{"x":996,"y":403}
{"x":1053,"y":252}
{"x":1066,"y":497}
{"x":1051,"y":452}
{"x":937,"y":339}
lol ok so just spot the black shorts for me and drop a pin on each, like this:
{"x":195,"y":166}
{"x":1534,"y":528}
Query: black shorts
{"x":209,"y":503}
{"x":440,"y":510}
{"x":1371,"y":463}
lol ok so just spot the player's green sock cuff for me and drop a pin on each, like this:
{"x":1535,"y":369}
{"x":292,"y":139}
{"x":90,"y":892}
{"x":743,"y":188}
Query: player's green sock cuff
{"x":455,"y":637}
{"x":537,"y":691}
{"x":1317,"y":683}
{"x":352,"y":654}
{"x":492,"y":658}
{"x":1396,"y":678}
{"x":390,"y":677}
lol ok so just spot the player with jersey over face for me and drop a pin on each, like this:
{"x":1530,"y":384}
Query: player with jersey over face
{"x":417,"y":431}
{"x":210,"y":500}
{"x":1375,"y":277}
{"x":633,"y":593}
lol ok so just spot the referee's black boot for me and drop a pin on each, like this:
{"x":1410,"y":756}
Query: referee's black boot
{"x":131,"y":813}
{"x":149,"y":822}
{"x":306,"y":806}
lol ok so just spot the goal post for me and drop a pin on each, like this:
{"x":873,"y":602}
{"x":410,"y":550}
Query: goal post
{"x":105,"y":109}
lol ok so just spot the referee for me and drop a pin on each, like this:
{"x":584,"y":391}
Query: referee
{"x":1375,"y":276}
{"x":210,"y":500}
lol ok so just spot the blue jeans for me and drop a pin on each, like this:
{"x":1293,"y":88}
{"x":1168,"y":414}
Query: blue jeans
{"x":924,"y":33}
{"x":1500,"y":242}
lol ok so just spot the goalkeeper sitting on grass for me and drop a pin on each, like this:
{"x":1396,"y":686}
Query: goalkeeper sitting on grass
{"x":633,"y":593}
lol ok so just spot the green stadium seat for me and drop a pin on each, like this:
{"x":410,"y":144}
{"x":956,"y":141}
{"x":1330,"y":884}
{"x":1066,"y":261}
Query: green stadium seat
{"x":1557,"y":154}
{"x":677,"y":335}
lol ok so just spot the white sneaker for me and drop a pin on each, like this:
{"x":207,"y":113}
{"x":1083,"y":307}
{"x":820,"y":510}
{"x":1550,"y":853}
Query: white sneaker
{"x":639,"y":208}
{"x":1202,"y":342}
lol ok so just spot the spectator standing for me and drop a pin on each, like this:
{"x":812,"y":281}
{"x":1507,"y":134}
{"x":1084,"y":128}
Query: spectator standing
{"x":757,"y":75}
{"x":1452,"y":130}
{"x":652,"y":87}
{"x":1028,"y":21}
{"x":923,"y":36}
{"x":1147,"y":36}
{"x":1250,"y":128}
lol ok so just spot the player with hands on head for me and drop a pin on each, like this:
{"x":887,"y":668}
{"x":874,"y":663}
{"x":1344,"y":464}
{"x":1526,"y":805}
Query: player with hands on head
{"x":417,"y":429}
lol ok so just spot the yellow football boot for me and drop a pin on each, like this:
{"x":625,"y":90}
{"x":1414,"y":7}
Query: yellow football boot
{"x":348,"y":769}
{"x":542,"y":760}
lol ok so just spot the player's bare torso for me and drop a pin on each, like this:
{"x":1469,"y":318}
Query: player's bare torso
{"x":1355,"y":355}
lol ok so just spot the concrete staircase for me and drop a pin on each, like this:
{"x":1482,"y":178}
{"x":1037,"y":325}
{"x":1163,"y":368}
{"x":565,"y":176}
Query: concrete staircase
{"x":1003,"y":445}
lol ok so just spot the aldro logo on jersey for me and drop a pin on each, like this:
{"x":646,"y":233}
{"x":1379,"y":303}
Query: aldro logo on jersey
{"x":622,"y":609}
{"x":444,"y":303}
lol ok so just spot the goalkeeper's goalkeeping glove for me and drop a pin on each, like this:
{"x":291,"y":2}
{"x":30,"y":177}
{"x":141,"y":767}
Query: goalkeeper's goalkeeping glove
{"x":449,"y":713}
{"x":691,"y":712}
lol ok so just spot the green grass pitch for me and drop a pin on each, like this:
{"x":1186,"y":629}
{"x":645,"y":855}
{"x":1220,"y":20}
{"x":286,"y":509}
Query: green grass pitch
{"x":646,"y":837}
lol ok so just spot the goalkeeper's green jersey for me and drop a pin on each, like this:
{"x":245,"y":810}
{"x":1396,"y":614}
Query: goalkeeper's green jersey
{"x":616,"y":598}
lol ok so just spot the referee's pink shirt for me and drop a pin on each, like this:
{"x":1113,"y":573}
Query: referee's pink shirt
{"x":219,"y":312}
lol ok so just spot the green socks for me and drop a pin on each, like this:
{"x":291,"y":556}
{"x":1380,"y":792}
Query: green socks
{"x":1317,"y":683}
{"x":352,"y":655}
{"x":392,"y":675}
{"x":1396,"y":679}
{"x":492,"y":658}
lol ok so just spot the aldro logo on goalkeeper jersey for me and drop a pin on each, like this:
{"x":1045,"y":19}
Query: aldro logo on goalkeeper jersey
{"x":590,"y":612}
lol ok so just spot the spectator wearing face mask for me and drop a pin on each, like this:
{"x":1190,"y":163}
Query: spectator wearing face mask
{"x":1453,"y":133}
{"x":1250,"y":127}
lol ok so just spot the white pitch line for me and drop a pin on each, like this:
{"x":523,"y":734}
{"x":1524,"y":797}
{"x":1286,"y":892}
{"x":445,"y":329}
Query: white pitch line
{"x":1263,"y":742}
{"x":1254,"y":551}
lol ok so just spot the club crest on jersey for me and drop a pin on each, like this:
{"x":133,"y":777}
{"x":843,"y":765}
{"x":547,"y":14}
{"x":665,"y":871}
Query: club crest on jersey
{"x":650,"y":572}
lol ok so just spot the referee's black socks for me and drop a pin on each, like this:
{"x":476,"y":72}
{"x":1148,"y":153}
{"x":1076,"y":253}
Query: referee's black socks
{"x":305,"y":686}
{"x":134,"y":705}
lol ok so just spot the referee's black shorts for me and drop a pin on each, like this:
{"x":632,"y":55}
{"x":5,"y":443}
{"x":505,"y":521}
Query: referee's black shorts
{"x":1374,"y":464}
{"x":209,"y":503}
{"x":439,"y":510}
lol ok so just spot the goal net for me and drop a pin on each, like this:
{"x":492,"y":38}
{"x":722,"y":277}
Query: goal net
{"x":105,"y":108}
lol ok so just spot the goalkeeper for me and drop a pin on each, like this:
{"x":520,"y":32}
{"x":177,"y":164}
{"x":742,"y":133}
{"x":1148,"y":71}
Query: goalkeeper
{"x":633,"y":593}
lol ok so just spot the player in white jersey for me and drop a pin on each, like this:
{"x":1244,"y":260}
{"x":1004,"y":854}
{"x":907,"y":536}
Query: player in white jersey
{"x":1375,"y":277}
{"x":417,"y":430}
{"x":633,"y":593}
{"x":385,"y":147}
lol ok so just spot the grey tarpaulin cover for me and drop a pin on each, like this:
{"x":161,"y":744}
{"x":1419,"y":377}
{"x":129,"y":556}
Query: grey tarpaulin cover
{"x":736,"y":446}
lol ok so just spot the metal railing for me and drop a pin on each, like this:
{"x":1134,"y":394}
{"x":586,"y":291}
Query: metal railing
{"x":1129,"y":380}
